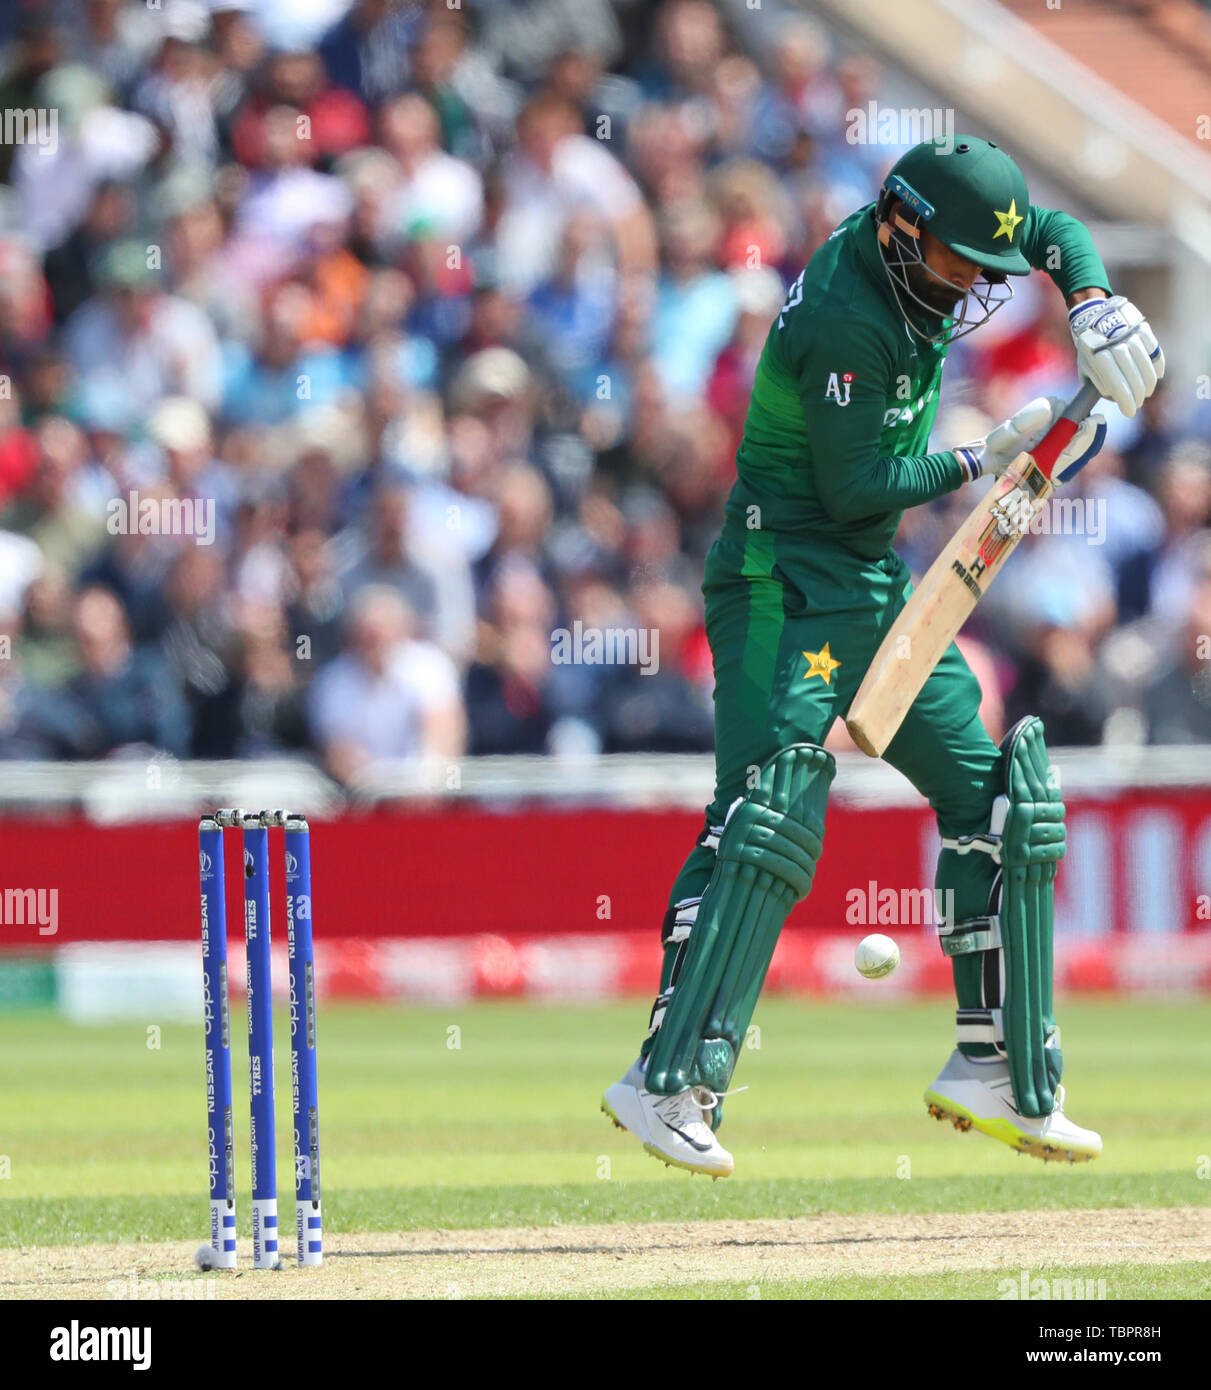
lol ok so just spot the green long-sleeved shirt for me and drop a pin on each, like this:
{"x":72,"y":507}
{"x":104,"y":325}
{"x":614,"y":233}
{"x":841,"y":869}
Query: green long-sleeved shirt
{"x":845,"y":396}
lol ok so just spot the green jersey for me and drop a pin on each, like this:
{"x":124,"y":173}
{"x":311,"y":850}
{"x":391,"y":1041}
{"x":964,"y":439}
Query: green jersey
{"x":845,"y":395}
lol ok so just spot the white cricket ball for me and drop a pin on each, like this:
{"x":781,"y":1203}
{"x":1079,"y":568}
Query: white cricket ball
{"x":876,"y":956}
{"x":206,"y":1257}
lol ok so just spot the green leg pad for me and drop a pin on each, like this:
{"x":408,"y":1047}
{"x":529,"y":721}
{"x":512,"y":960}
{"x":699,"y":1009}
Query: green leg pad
{"x":1032,"y":845}
{"x":1002,"y":948}
{"x":765,"y":863}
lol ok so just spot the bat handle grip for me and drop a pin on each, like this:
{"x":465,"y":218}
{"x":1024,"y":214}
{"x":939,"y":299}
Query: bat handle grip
{"x":1058,"y":437}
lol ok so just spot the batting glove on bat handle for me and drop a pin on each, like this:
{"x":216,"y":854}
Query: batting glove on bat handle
{"x":998,"y":449}
{"x":1117,"y":350}
{"x":1027,"y":428}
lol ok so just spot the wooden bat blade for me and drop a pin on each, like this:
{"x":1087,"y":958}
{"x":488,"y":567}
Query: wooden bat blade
{"x":942,"y":602}
{"x":955,"y":583}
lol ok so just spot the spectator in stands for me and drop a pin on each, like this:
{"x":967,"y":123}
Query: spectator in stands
{"x":176,"y":91}
{"x":1168,"y":573}
{"x":497,"y":387}
{"x":197,"y":637}
{"x":112,"y":39}
{"x":1130,"y":527}
{"x":36,"y":50}
{"x":695,"y":468}
{"x":135,"y":567}
{"x":181,"y":430}
{"x":287,"y":197}
{"x":433,"y":189}
{"x":754,"y":215}
{"x":285,"y":374}
{"x":22,"y":705}
{"x":48,"y":391}
{"x":366,"y":50}
{"x":200,"y":263}
{"x":315,"y":480}
{"x":651,"y":546}
{"x":759,"y":296}
{"x":260,"y":708}
{"x":803,"y":95}
{"x":436,"y":586}
{"x":1158,"y":436}
{"x":1059,"y":681}
{"x":511,"y":698}
{"x":524,"y":510}
{"x":48,"y":650}
{"x":1177,"y":702}
{"x":334,"y":120}
{"x":152,"y":343}
{"x":690,"y":44}
{"x":658,"y":708}
{"x":94,"y":140}
{"x":557,"y":171}
{"x":61,"y":509}
{"x":389,"y":696}
{"x":71,"y":267}
{"x":314,"y":602}
{"x":572,"y":311}
{"x":24,"y":317}
{"x":239,"y":48}
{"x":474,"y":104}
{"x":18,"y":451}
{"x":696,"y":306}
{"x":123,"y":699}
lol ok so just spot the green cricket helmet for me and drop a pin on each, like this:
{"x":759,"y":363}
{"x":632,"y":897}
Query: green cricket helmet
{"x":971,"y":196}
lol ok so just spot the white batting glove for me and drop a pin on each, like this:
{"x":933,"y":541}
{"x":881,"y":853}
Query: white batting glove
{"x":1117,"y":351}
{"x":1022,"y":431}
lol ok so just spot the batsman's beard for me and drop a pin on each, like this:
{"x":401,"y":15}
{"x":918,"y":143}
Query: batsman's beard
{"x":941,"y":296}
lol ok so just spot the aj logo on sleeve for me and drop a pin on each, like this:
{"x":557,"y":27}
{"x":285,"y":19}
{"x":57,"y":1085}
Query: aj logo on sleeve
{"x":838,"y":387}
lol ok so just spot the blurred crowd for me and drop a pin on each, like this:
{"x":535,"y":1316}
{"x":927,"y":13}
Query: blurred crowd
{"x":349,"y":351}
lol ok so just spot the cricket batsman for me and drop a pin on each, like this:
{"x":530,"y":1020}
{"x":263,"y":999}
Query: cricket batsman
{"x":800,"y":588}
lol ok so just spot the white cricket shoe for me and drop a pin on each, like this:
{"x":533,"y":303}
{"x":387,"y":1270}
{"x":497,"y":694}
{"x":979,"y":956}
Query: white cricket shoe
{"x":979,"y":1095}
{"x":671,"y":1128}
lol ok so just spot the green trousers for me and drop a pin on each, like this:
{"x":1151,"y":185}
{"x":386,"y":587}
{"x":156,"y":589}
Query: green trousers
{"x":792,"y":627}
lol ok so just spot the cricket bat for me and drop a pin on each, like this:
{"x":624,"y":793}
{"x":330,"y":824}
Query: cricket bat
{"x":955,"y":583}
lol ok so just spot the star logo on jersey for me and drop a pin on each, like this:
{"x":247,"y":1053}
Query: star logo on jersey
{"x":1010,"y":221}
{"x":821,"y":664}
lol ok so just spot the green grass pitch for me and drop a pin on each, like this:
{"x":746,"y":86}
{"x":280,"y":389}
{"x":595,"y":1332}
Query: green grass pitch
{"x":487,"y":1115}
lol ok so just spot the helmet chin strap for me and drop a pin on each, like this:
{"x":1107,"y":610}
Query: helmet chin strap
{"x":900,"y":238}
